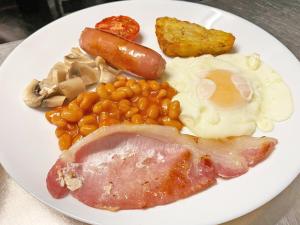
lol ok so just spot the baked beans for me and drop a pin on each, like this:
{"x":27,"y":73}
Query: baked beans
{"x":122,"y":101}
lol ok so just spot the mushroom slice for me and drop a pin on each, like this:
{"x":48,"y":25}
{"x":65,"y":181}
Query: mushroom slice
{"x":99,"y":60}
{"x":106,"y":75}
{"x":72,"y":87}
{"x":47,"y":88}
{"x":31,"y":95}
{"x":87,"y":73}
{"x":77,"y":55}
{"x":54,"y":101}
{"x":58,"y":73}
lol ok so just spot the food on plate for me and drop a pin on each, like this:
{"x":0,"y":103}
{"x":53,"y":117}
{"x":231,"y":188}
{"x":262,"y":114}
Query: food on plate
{"x":122,"y":101}
{"x":42,"y":93}
{"x":184,"y":39}
{"x":228,"y":95}
{"x":233,"y":156}
{"x":125,"y":149}
{"x":67,"y":80}
{"x":140,"y":166}
{"x":131,"y":167}
{"x":122,"y":54}
{"x":123,"y":26}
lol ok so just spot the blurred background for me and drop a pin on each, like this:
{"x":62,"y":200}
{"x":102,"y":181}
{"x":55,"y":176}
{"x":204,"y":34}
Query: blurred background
{"x":20,"y":18}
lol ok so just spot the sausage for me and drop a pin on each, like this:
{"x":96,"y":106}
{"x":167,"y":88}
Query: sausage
{"x":123,"y":54}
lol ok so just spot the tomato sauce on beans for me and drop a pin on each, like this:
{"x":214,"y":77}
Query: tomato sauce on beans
{"x":123,"y":101}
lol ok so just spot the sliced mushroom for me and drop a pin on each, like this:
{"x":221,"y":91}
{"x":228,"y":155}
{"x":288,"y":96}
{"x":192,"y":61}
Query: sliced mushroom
{"x":36,"y":91}
{"x":68,"y":79}
{"x":72,"y":87}
{"x":47,"y":88}
{"x":58,"y":73}
{"x":86,"y":73}
{"x":106,"y":75}
{"x":54,"y":101}
{"x":77,"y":55}
{"x":31,"y":95}
{"x":99,"y":61}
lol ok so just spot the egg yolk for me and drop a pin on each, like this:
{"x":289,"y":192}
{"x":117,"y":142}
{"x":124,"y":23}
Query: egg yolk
{"x":226,"y":94}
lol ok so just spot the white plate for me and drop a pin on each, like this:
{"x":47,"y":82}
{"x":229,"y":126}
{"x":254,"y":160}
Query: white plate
{"x":29,"y":146}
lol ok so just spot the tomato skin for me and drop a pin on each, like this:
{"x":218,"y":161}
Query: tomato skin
{"x":122,"y":26}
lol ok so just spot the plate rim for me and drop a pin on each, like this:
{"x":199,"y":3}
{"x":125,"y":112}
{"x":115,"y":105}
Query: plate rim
{"x":228,"y":218}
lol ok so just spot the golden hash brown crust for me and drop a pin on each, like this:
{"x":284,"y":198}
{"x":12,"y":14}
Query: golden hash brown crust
{"x":184,"y":39}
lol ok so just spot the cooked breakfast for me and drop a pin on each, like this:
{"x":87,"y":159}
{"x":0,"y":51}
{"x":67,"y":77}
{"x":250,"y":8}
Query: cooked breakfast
{"x":138,"y":132}
{"x":185,"y":39}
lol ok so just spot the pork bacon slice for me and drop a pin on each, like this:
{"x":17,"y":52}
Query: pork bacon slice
{"x":232,"y":157}
{"x":131,"y":167}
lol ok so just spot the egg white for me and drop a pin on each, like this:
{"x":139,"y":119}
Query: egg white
{"x":270,"y":102}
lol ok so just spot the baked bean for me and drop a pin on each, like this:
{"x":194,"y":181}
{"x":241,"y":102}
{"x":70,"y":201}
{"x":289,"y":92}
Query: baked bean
{"x":174,"y":110}
{"x":107,"y":104}
{"x":77,"y":138}
{"x":165,"y":106}
{"x":120,"y":77}
{"x":108,"y":122}
{"x":59,"y":131}
{"x":58,"y":121}
{"x":109,"y":87}
{"x":134,"y":99}
{"x":127,"y":90}
{"x":136,"y":88}
{"x":169,"y":122}
{"x":88,"y":119}
{"x":130,"y":82}
{"x":49,"y":115}
{"x":103,"y":116}
{"x":137,"y":119}
{"x":71,"y":115}
{"x":114,"y":114}
{"x":162,"y":93}
{"x":71,"y":126}
{"x":80,"y":97}
{"x":142,"y":103}
{"x":125,"y":101}
{"x":150,"y":121}
{"x":88,"y":100}
{"x":73,"y":105}
{"x":154,"y":85}
{"x":124,"y":106}
{"x":74,"y":131}
{"x":97,"y":108}
{"x":153,"y":111}
{"x":102,"y":92}
{"x":144,"y":86}
{"x":118,"y":95}
{"x":87,"y":129}
{"x":119,"y":83}
{"x":131,"y":112}
{"x":145,"y":93}
{"x":65,"y":141}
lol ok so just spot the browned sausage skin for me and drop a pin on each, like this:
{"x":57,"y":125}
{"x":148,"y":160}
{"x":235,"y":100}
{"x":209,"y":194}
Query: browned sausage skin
{"x":123,"y":54}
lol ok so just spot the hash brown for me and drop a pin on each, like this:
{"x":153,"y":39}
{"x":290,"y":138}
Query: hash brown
{"x":185,"y":39}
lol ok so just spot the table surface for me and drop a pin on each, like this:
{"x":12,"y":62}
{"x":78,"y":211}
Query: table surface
{"x":280,"y":18}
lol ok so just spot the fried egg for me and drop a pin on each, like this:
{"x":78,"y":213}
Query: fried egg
{"x":228,"y":95}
